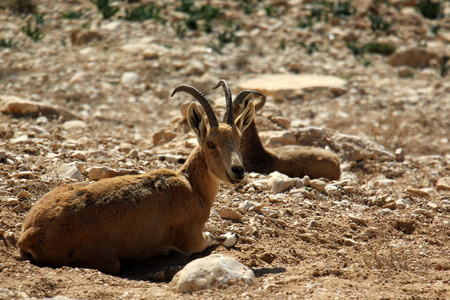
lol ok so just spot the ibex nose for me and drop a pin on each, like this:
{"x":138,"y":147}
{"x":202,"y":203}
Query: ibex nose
{"x":238,"y":171}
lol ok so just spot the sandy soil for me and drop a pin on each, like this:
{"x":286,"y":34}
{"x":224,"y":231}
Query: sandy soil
{"x":385,"y":235}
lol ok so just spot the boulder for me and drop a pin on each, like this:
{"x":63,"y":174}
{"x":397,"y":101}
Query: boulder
{"x":213,"y":271}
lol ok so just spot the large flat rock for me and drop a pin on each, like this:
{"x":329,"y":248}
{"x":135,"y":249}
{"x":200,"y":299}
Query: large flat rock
{"x":285,"y":83}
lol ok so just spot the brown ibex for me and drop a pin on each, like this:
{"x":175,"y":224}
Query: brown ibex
{"x":292,"y":160}
{"x":102,"y":224}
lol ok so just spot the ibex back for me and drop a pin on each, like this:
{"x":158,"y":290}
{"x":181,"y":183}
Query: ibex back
{"x":293,"y":160}
{"x":99,"y":225}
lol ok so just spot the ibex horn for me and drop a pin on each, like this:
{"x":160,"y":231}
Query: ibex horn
{"x":229,"y":101}
{"x":201,"y":98}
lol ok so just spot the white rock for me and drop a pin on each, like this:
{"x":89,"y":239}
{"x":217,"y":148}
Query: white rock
{"x":213,"y":271}
{"x":129,"y":78}
{"x":318,"y":184}
{"x":279,"y":182}
{"x":74,"y":125}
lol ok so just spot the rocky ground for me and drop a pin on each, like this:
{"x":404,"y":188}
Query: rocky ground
{"x":98,"y":100}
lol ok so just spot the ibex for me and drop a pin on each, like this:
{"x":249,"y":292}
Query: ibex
{"x":102,"y":224}
{"x":294,"y":161}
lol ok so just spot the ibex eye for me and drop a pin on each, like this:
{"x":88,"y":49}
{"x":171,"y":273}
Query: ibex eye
{"x":210,"y":145}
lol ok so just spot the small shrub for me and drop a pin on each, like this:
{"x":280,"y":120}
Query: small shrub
{"x":343,"y":9}
{"x":224,"y":38}
{"x":23,"y":6}
{"x":430,"y":9}
{"x":444,"y":67}
{"x":206,"y":14}
{"x":356,"y":50}
{"x":144,"y":12}
{"x":105,"y":8}
{"x":4,"y":43}
{"x":379,"y":48}
{"x":72,"y":15}
{"x":35,"y":34}
{"x":38,"y":18}
{"x":248,"y":6}
{"x":379,"y":23}
{"x":434,"y":29}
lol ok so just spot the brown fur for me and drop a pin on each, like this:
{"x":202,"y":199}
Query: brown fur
{"x":99,"y":225}
{"x":294,"y":161}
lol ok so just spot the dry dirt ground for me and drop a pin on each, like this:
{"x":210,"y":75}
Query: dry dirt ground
{"x":384,"y":235}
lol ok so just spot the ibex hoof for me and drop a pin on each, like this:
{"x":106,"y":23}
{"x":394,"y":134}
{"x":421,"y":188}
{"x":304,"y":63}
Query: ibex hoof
{"x":230,"y":239}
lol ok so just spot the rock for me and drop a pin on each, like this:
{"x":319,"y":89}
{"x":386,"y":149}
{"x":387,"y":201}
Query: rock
{"x":163,"y":136}
{"x":279,"y":85}
{"x":84,"y":36}
{"x":350,"y":242}
{"x":19,"y":107}
{"x":421,"y":211}
{"x":399,"y":154}
{"x":400,"y":204}
{"x":443,"y":184}
{"x":279,"y":182}
{"x":24,"y":194}
{"x":81,"y":155}
{"x":277,"y":138}
{"x":418,"y":193}
{"x":97,"y":173}
{"x":318,"y":184}
{"x":74,"y":125}
{"x":282,"y":122}
{"x":230,"y":215}
{"x":384,"y":182}
{"x":357,"y":149}
{"x":306,"y":180}
{"x":129,"y":79}
{"x":357,"y":219}
{"x":67,"y":171}
{"x":413,"y":57}
{"x":213,"y":271}
{"x":332,"y":190}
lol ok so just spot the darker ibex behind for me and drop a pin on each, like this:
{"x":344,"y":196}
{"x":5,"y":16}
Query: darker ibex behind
{"x":292,"y":160}
{"x":99,"y":225}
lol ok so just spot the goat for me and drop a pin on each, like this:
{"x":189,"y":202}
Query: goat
{"x":292,"y":160}
{"x":102,"y":224}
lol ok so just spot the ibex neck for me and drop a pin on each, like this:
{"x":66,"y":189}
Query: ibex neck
{"x":201,"y":179}
{"x":252,"y":146}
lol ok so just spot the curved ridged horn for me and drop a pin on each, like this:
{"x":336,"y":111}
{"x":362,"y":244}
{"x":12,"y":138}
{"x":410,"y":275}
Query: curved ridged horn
{"x":244,"y":94}
{"x":200,"y":98}
{"x":229,"y":101}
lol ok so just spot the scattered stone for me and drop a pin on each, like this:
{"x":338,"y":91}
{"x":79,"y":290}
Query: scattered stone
{"x":84,"y":36}
{"x":24,"y":194}
{"x":81,"y":155}
{"x":443,"y":184}
{"x":318,"y":184}
{"x":129,"y":79}
{"x":172,"y":158}
{"x":25,"y":175}
{"x":417,"y":57}
{"x":74,"y":125}
{"x":97,"y":173}
{"x":230,"y":215}
{"x":282,"y":122}
{"x":350,"y":242}
{"x":69,"y":171}
{"x":357,"y":219}
{"x":371,"y":232}
{"x":285,"y":84}
{"x":358,"y":149}
{"x":421,"y":211}
{"x":306,"y":180}
{"x":12,"y":202}
{"x":213,"y":271}
{"x":400,"y":204}
{"x":418,"y":193}
{"x":313,"y":287}
{"x":384,"y":182}
{"x":163,"y":136}
{"x":399,"y":154}
{"x":279,"y":182}
{"x":20,"y":107}
{"x":332,"y":190}
{"x":10,"y":238}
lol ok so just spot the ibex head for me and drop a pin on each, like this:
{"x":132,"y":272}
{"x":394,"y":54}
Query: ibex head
{"x":220,"y":142}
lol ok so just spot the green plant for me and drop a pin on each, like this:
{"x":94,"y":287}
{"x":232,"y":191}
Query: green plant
{"x":356,"y":50}
{"x":434,"y":29}
{"x":270,"y":9}
{"x":72,"y":15}
{"x":444,"y":67}
{"x":144,"y":12}
{"x":8,"y":43}
{"x":248,"y":6}
{"x":35,"y":34}
{"x":205,"y":13}
{"x":224,"y":38}
{"x":312,"y":48}
{"x":379,"y":23}
{"x":430,"y":9}
{"x":343,"y":9}
{"x":23,"y":6}
{"x":105,"y":8}
{"x":39,"y":18}
{"x":379,"y":48}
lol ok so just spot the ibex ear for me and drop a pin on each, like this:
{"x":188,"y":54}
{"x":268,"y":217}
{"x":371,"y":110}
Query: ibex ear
{"x":246,"y":117}
{"x":196,"y":121}
{"x":257,"y":100}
